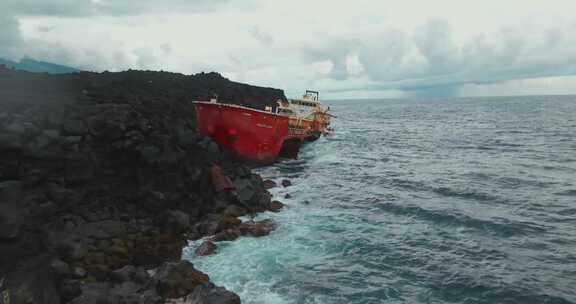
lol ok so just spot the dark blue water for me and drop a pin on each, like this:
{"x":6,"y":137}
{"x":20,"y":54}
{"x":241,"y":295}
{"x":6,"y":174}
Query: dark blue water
{"x":421,"y":201}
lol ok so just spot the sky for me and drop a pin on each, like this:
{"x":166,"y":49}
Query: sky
{"x":344,"y":49}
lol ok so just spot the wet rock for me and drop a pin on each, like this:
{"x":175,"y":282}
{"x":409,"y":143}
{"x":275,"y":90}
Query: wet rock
{"x":245,"y":189}
{"x":257,"y":228}
{"x":260,"y":202}
{"x":269,"y":184}
{"x":207,"y":248}
{"x":155,"y":248}
{"x":129,"y":293}
{"x":227,"y":235}
{"x":286,"y":183}
{"x":235,"y":211}
{"x":275,"y":206}
{"x":288,"y":196}
{"x":211,"y":294}
{"x":213,"y":224}
{"x":176,"y":280}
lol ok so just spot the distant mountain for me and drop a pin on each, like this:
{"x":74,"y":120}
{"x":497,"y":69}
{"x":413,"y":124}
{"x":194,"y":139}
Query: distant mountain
{"x":31,"y":65}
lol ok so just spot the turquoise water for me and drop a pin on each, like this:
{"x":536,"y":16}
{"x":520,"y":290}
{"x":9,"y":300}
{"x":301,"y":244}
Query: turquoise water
{"x":421,"y":201}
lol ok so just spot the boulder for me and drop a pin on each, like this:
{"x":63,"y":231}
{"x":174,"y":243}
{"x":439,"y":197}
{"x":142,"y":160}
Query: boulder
{"x":211,"y":294}
{"x":260,"y":202}
{"x":245,"y":189}
{"x":275,"y":206}
{"x":207,"y":248}
{"x":257,"y":228}
{"x":177,"y":279}
{"x":213,"y":224}
{"x":226,"y":235}
{"x":235,"y":211}
{"x":269,"y":184}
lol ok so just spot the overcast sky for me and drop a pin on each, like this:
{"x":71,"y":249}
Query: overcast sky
{"x":345,"y":49}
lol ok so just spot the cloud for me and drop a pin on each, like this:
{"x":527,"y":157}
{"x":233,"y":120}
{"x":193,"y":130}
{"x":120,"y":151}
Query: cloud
{"x":46,"y":29}
{"x":263,"y":37}
{"x":427,"y":61}
{"x":84,"y":8}
{"x":11,"y":41}
{"x":166,"y":48}
{"x":109,"y":53}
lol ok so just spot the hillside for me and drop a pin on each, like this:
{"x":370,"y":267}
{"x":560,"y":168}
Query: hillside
{"x":32,"y":65}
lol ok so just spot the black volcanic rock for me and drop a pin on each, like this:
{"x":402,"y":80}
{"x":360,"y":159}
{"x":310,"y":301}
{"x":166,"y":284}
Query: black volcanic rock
{"x":103,"y":175}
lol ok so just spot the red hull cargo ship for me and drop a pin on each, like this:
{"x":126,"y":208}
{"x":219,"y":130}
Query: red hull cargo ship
{"x":262,"y":136}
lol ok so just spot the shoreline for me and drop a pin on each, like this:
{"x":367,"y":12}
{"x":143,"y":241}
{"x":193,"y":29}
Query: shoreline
{"x":98,"y":197}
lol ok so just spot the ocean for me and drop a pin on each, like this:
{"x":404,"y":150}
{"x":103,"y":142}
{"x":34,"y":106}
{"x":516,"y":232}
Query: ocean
{"x":463,"y":200}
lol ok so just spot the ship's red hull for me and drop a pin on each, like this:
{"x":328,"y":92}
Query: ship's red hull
{"x":251,"y":134}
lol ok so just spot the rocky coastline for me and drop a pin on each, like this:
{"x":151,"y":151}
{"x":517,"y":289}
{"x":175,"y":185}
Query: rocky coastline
{"x":104,"y":179}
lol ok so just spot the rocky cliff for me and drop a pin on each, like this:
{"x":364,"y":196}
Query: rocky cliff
{"x":103,"y":179}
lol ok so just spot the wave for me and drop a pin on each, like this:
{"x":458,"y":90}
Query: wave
{"x":498,"y":226}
